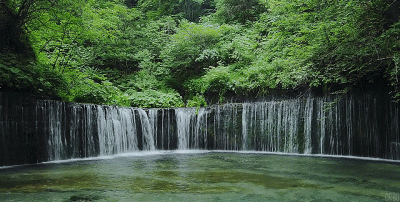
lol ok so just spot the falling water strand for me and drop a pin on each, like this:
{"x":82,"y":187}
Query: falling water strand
{"x":308,"y":117}
{"x":147,"y":130}
{"x":183,"y":117}
{"x":244,"y":126}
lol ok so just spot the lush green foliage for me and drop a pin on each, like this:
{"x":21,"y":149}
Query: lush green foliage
{"x":238,"y":11}
{"x":17,"y":74}
{"x":156,"y":53}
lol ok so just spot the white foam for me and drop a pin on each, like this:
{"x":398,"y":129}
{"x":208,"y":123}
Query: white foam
{"x":169,"y":152}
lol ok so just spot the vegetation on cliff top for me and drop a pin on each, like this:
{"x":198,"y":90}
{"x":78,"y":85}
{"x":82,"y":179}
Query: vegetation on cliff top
{"x":156,"y":53}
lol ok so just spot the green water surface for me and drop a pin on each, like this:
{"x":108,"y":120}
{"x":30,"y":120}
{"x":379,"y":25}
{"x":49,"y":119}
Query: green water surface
{"x":203,"y":176}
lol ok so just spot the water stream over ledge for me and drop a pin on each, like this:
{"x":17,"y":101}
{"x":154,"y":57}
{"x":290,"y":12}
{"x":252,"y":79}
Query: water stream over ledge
{"x":364,"y":125}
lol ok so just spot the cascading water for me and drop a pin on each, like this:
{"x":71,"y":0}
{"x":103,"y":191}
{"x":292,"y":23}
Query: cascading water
{"x":330,"y":125}
{"x":35,"y":131}
{"x":183,"y":118}
{"x":117,"y":130}
{"x":147,"y":131}
{"x":246,"y":107}
{"x":192,"y":128}
{"x":153,"y":121}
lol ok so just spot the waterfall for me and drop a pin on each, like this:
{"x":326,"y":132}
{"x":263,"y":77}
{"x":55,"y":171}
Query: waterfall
{"x":200,"y":137}
{"x":34,"y":131}
{"x":117,"y":131}
{"x":308,"y":117}
{"x":313,"y":125}
{"x":271,"y":126}
{"x":246,"y":108}
{"x":56,"y":142}
{"x":184,"y":118}
{"x":103,"y":131}
{"x":153,"y":115}
{"x":192,"y":125}
{"x":147,"y":130}
{"x":129,"y":139}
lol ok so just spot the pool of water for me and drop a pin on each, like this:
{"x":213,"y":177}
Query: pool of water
{"x":203,"y":176}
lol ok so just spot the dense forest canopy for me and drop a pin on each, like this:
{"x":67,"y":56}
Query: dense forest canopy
{"x":157,"y":53}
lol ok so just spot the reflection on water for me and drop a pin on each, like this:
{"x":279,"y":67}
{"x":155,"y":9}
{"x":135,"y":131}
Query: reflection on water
{"x":203,"y":176}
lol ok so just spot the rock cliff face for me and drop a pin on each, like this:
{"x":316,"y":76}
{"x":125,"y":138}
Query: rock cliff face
{"x":33,"y":131}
